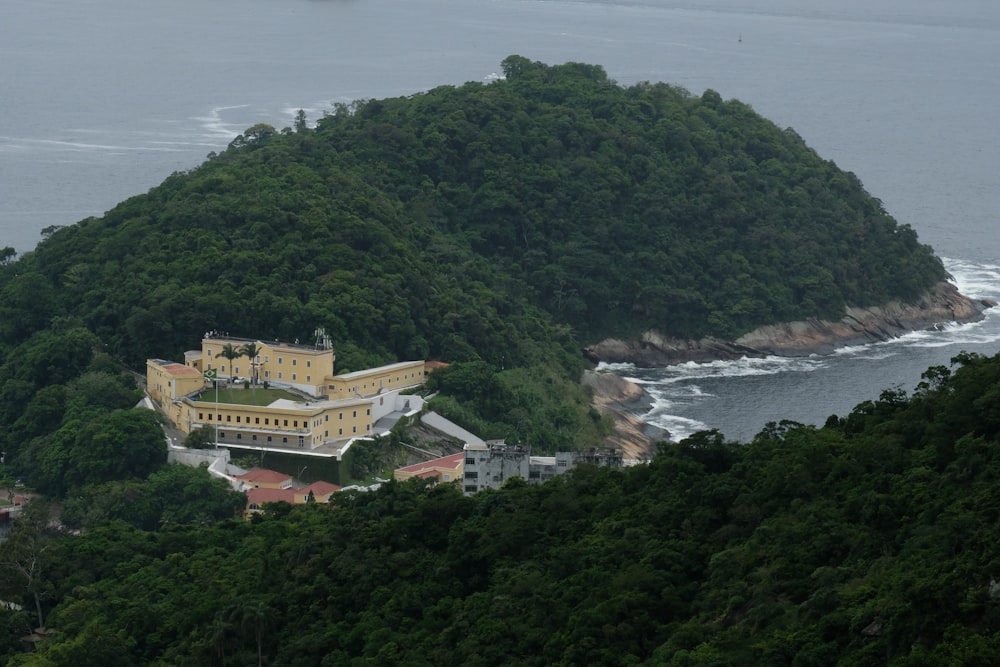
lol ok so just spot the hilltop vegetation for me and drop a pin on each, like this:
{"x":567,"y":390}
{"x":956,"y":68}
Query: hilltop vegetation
{"x":503,"y":225}
{"x":871,"y":541}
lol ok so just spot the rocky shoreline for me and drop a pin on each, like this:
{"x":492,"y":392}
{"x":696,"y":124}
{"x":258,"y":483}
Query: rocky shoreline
{"x":940,"y":305}
{"x":625,"y":400}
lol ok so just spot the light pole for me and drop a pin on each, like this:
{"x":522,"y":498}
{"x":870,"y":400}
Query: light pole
{"x":212,"y":374}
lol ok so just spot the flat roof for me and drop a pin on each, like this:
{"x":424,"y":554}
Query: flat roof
{"x":299,"y":347}
{"x":377,"y":369}
{"x":175,"y":368}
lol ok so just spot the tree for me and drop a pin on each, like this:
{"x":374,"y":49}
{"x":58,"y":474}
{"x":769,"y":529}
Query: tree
{"x":251,"y":352}
{"x":21,"y":555}
{"x":201,"y":438}
{"x":121,"y":445}
{"x":230,"y":352}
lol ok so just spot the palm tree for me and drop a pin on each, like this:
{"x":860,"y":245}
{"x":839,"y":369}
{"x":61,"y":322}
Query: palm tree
{"x":253,"y":615}
{"x":251,"y":351}
{"x":230,"y":353}
{"x":218,"y":634}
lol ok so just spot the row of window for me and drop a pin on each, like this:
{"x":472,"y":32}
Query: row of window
{"x":284,"y":440}
{"x":284,"y":422}
{"x":267,"y":360}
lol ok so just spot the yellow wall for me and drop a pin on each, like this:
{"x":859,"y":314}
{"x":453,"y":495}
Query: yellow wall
{"x":298,"y":365}
{"x":315,"y":424}
{"x":372,"y":381}
{"x":167,"y":381}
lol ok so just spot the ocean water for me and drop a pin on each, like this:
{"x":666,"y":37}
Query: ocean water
{"x":102,"y":99}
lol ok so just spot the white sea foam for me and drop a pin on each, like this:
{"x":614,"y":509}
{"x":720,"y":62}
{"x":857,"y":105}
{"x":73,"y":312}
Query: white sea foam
{"x":678,"y":427}
{"x":674,"y":389}
{"x":615,"y":367}
{"x":974,"y":279}
{"x":214,"y":126}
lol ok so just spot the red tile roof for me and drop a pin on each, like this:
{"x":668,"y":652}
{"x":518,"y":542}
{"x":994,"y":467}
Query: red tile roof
{"x":320,"y":489}
{"x":264,"y":476}
{"x":260,"y":496}
{"x":177,"y":369}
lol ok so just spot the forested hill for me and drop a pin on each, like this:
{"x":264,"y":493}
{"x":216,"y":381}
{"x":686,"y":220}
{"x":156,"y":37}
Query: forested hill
{"x":871,"y":541}
{"x":451,"y":223}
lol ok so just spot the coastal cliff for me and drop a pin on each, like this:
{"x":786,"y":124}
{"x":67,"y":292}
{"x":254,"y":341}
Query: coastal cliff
{"x":623,"y":400}
{"x":940,"y":305}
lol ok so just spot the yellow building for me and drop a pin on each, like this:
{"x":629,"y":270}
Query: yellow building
{"x":376,"y":380}
{"x":333,"y":410}
{"x":305,"y":424}
{"x":444,"y":469}
{"x":168,"y":380}
{"x":303,"y":367}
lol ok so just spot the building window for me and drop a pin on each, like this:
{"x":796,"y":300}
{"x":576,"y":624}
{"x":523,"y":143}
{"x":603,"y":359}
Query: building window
{"x":470,"y":474}
{"x":294,"y":377}
{"x":340,"y":431}
{"x":326,"y":418}
{"x":354,"y":413}
{"x":308,"y":378}
{"x":534,"y":474}
{"x":267,"y":421}
{"x":470,"y":489}
{"x":294,"y":362}
{"x":284,"y":441}
{"x":267,"y":359}
{"x":470,"y":462}
{"x":256,"y":420}
{"x":253,"y":437}
{"x":269,"y":438}
{"x":563,"y":464}
{"x":200,"y":416}
{"x":309,"y":364}
{"x":326,"y":434}
{"x":279,"y":375}
{"x":286,"y":422}
{"x":354,"y":429}
{"x":295,"y":423}
{"x":280,"y":360}
{"x":237,"y":419}
{"x":229,"y":418}
{"x":368,"y":411}
{"x":239,"y":436}
{"x":340,"y":416}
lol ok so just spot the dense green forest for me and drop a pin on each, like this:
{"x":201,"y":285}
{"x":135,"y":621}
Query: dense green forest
{"x":873,"y":540}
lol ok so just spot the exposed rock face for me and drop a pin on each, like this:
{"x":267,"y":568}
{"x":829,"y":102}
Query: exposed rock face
{"x":622,"y":399}
{"x":940,"y":305}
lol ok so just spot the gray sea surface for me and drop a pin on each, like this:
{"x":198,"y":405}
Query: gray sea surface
{"x":102,"y":99}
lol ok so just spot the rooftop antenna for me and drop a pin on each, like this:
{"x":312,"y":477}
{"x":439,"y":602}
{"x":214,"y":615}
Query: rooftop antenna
{"x":323,"y":341}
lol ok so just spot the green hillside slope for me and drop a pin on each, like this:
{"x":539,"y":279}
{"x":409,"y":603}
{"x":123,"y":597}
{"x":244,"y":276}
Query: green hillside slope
{"x":871,"y":541}
{"x":426,"y":225}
